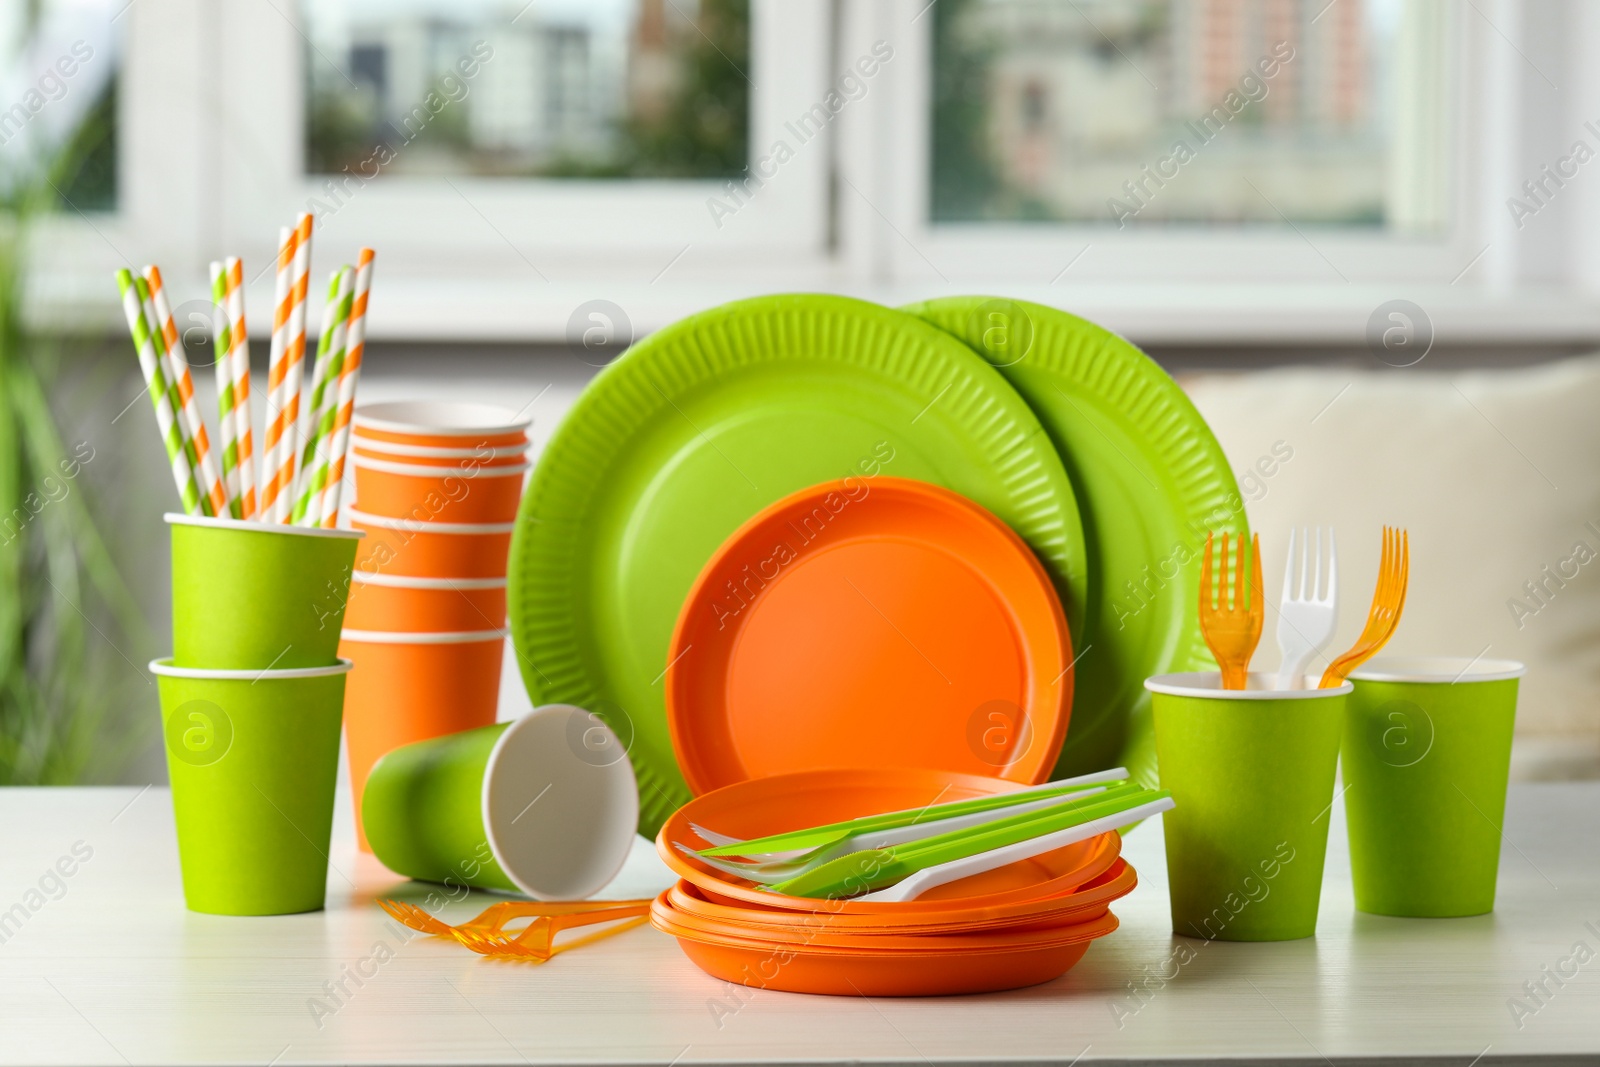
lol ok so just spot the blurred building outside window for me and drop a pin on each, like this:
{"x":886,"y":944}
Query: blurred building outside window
{"x":1214,"y":112}
{"x":605,"y":89}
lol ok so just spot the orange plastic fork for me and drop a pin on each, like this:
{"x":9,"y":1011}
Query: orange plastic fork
{"x":1388,"y":601}
{"x":494,"y":918}
{"x":1232,"y":629}
{"x":536,"y":941}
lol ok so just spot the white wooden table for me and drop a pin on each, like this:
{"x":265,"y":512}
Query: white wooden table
{"x":106,"y":966}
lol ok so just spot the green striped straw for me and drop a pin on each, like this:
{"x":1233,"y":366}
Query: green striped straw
{"x":330,"y":360}
{"x":170,"y":382}
{"x":222,"y":339}
{"x":135,"y":295}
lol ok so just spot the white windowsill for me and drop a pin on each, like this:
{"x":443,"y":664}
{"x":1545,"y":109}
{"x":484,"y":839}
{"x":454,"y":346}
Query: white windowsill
{"x":416,"y":309}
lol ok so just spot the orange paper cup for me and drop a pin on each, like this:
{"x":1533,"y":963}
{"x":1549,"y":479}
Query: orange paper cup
{"x":411,"y":687}
{"x":440,"y":423}
{"x":420,"y":605}
{"x":432,"y":456}
{"x":468,"y":491}
{"x":399,"y":548}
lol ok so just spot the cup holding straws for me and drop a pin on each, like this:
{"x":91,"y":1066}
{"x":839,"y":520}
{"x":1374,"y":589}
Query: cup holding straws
{"x":252,"y":699}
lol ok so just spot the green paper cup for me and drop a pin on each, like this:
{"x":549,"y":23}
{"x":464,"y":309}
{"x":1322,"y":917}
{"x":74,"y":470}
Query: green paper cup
{"x":545,"y":805}
{"x":1251,"y":773}
{"x":252,"y":595}
{"x":1427,"y":750}
{"x":253,"y":757}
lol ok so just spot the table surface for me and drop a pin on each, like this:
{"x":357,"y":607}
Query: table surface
{"x":106,"y":966}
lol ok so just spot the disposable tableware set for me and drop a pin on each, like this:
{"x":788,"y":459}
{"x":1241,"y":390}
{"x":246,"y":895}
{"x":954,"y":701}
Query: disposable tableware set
{"x":846,"y":606}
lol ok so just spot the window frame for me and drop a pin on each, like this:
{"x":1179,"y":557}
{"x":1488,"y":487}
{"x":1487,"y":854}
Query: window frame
{"x":1479,"y":279}
{"x":210,"y":164}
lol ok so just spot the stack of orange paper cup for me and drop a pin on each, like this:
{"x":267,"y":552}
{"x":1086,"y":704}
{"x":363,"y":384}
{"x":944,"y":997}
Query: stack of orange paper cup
{"x":437,"y":490}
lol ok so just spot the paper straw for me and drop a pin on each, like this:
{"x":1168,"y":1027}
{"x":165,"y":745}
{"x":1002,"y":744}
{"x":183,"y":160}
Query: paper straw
{"x":288,"y":456}
{"x":319,"y":369}
{"x":239,"y":367}
{"x":349,"y":374}
{"x":277,"y":373}
{"x":330,"y":360}
{"x":170,"y":384}
{"x":214,"y":495}
{"x":227,"y":425}
{"x":133,"y":295}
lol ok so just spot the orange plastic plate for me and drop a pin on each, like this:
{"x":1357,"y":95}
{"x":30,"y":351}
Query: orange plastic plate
{"x":1088,"y":901}
{"x":977,"y":940}
{"x":810,"y":798}
{"x":869,"y":622}
{"x":938,"y":972}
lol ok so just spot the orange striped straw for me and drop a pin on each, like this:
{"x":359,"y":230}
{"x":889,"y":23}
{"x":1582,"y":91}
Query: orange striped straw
{"x":277,"y":373}
{"x":288,"y":456}
{"x":239,"y":369}
{"x":349,"y":375}
{"x":213,"y":491}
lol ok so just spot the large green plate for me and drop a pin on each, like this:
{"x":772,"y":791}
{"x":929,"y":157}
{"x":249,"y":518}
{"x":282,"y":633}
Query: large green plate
{"x":691,"y":432}
{"x":1150,"y":480}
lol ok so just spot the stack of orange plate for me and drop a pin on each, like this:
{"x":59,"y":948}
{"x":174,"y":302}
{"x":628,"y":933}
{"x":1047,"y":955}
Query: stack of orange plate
{"x":1018,"y":925}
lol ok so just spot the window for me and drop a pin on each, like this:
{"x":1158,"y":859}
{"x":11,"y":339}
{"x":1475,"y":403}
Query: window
{"x":614,"y":89}
{"x":666,"y":155}
{"x":1224,"y":112}
{"x":58,"y":101}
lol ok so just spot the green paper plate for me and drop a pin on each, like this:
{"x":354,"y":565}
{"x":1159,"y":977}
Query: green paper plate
{"x":1150,"y":480}
{"x":695,"y":429}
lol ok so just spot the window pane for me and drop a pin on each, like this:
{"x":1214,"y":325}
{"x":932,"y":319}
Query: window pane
{"x":1141,"y":112}
{"x":58,"y":102}
{"x":553,"y":88}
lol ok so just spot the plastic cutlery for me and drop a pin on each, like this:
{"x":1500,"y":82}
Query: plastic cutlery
{"x":1232,"y":628}
{"x":492,"y":920}
{"x":914,"y":886}
{"x":782,"y":870}
{"x":815,"y":836}
{"x":1307,"y":615}
{"x":1388,"y":601}
{"x":875,"y":869}
{"x":537,"y":941}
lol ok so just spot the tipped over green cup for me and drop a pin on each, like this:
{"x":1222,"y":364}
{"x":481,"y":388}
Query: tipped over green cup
{"x":253,"y":757}
{"x":544,"y":805}
{"x":1426,"y":756}
{"x":252,"y":595}
{"x":1251,"y":773}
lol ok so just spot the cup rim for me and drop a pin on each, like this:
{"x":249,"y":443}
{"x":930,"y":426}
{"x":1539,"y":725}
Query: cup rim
{"x":165,"y":669}
{"x":398,"y":448}
{"x":1436,"y":670}
{"x":1192,"y":684}
{"x":422,"y":470}
{"x":389,"y":522}
{"x":409,"y":416}
{"x":406,"y":581}
{"x":497,"y":846}
{"x":425,"y":637}
{"x":178,"y":518}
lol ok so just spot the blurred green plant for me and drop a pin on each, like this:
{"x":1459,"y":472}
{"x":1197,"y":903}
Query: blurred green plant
{"x":65,"y":610}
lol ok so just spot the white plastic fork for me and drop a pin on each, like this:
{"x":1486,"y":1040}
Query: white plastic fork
{"x":1307,"y":614}
{"x":913,"y":886}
